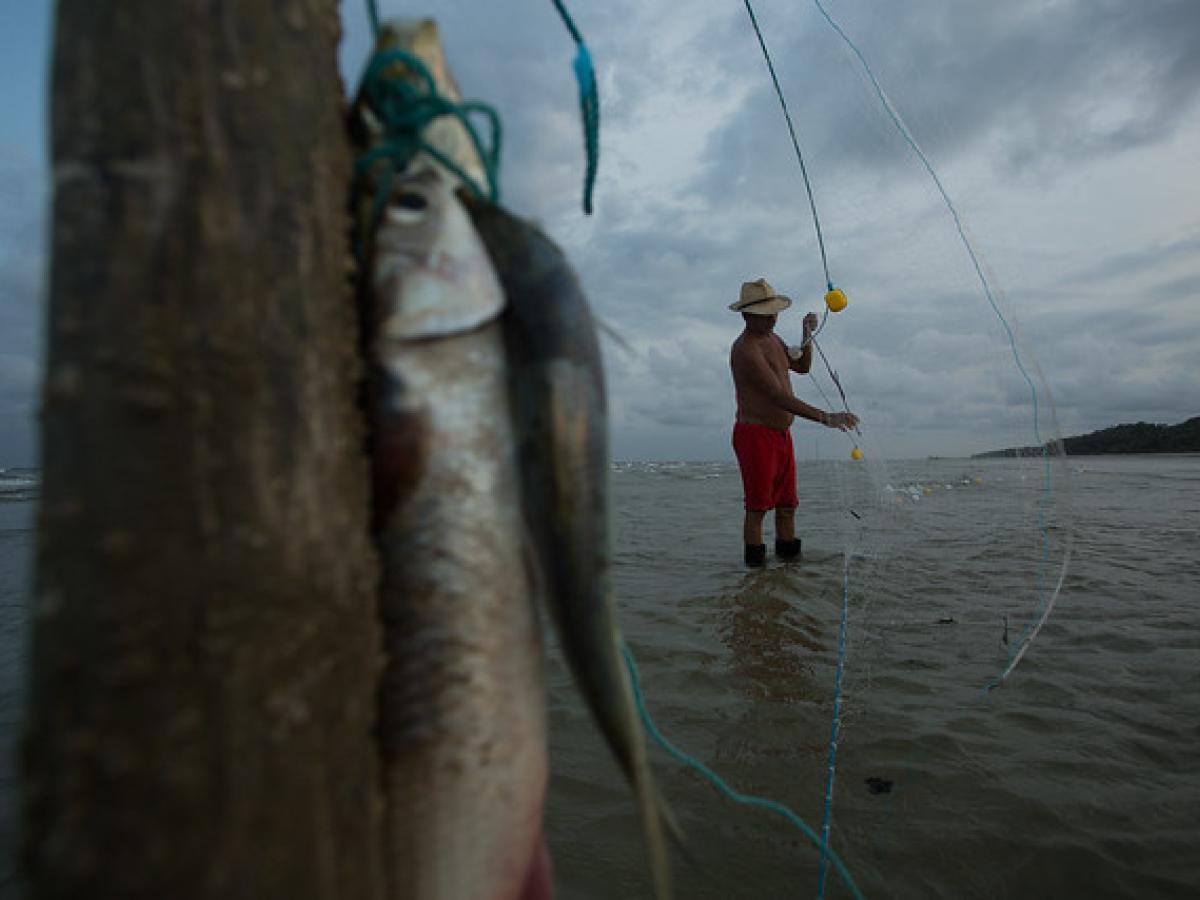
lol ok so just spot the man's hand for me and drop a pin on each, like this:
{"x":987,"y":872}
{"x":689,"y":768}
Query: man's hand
{"x":810,"y":323}
{"x":842,"y":421}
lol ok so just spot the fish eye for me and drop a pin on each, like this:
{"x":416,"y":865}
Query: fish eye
{"x":411,"y":200}
{"x":408,"y":208}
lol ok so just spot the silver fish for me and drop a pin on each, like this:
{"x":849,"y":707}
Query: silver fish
{"x":556,"y":381}
{"x":463,"y":721}
{"x":489,"y":441}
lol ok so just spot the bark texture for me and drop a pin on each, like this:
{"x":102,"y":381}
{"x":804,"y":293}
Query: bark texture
{"x":206,"y":647}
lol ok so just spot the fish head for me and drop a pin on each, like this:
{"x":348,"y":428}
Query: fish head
{"x":430,"y":276}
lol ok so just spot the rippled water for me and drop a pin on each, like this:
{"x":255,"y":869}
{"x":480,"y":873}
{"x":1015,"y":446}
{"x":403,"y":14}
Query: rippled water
{"x":1080,"y":777}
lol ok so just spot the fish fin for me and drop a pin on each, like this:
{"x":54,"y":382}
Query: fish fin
{"x":673,"y":829}
{"x":611,"y":332}
{"x":652,"y":809}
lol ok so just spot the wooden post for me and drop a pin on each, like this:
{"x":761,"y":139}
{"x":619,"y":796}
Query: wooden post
{"x":206,"y":647}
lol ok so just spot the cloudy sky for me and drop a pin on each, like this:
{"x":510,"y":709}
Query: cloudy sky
{"x":1065,"y":130}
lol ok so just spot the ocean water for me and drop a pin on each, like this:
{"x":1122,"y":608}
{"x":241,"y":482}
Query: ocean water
{"x":1079,"y":777}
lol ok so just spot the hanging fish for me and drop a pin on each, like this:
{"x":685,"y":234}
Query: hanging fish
{"x":556,"y":380}
{"x":486,"y":406}
{"x":462,"y":711}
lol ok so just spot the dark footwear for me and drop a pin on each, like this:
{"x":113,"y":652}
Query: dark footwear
{"x":787,"y":549}
{"x":756,"y":555}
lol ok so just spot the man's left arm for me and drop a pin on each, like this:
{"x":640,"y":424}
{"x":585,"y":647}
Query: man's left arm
{"x":800,"y":356}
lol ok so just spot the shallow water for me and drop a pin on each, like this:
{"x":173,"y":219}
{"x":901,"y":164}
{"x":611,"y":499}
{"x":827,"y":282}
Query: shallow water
{"x":1080,"y":777}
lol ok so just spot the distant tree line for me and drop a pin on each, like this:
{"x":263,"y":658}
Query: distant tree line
{"x":1141,"y":437}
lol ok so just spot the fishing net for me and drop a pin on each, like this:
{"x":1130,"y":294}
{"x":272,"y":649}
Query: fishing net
{"x":949,"y":563}
{"x":927,"y":571}
{"x":866,"y":680}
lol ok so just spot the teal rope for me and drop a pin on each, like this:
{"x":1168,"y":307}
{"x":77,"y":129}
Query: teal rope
{"x":835,"y":727}
{"x":405,"y":109}
{"x":812,"y":203}
{"x":589,"y":106}
{"x":1048,"y":599}
{"x":405,"y":143}
{"x":717,"y":782}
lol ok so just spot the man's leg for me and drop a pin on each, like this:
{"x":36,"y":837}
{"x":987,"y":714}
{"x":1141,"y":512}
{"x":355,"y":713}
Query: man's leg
{"x":787,"y":545}
{"x":752,"y":526}
{"x":785,"y":523}
{"x":752,"y":534}
{"x":747,"y":444}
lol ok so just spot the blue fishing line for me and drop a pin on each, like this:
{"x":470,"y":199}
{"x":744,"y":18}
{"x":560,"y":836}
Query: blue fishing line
{"x":1048,"y":599}
{"x":835,"y":727}
{"x":717,"y":782}
{"x":828,"y":402}
{"x":589,"y":106}
{"x":837,"y":382}
{"x":812,"y":203}
{"x":825,"y":852}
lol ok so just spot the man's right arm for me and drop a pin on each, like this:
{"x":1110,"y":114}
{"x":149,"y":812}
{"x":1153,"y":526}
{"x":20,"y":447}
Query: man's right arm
{"x":759,"y":376}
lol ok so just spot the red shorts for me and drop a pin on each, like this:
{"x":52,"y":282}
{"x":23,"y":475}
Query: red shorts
{"x":768,"y":466}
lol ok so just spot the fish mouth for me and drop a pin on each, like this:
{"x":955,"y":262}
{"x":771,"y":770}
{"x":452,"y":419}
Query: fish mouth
{"x":430,"y":275}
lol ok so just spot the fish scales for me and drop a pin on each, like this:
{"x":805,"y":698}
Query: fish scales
{"x":462,"y":723}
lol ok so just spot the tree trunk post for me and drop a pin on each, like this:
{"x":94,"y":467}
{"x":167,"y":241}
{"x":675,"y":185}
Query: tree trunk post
{"x":206,"y":647}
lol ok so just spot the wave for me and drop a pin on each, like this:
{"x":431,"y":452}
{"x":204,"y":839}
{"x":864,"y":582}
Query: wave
{"x":19,"y":484}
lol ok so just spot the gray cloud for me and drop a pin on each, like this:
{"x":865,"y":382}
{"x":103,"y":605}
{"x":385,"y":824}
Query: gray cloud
{"x":1059,"y":122}
{"x":1034,"y":86}
{"x":1153,"y":256}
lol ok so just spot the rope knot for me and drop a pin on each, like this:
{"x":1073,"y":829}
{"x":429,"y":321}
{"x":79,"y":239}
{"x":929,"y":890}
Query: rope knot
{"x":401,"y":95}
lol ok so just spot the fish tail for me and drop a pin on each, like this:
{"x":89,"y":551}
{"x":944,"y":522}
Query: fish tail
{"x":657,"y":820}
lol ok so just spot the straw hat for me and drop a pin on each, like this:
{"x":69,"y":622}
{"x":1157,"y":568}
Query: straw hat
{"x":760,"y":299}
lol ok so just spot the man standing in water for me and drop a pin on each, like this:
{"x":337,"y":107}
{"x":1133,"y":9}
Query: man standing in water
{"x":766,"y":407}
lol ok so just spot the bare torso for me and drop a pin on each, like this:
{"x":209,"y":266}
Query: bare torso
{"x":756,"y":357}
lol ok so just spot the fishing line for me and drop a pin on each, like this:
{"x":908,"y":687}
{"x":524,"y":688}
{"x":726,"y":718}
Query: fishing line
{"x":820,"y":389}
{"x":812,"y":203}
{"x":719,"y":783}
{"x":1048,"y":599}
{"x":827,"y":815}
{"x":830,"y":300}
{"x":804,"y":341}
{"x":829,"y":402}
{"x":837,"y":382}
